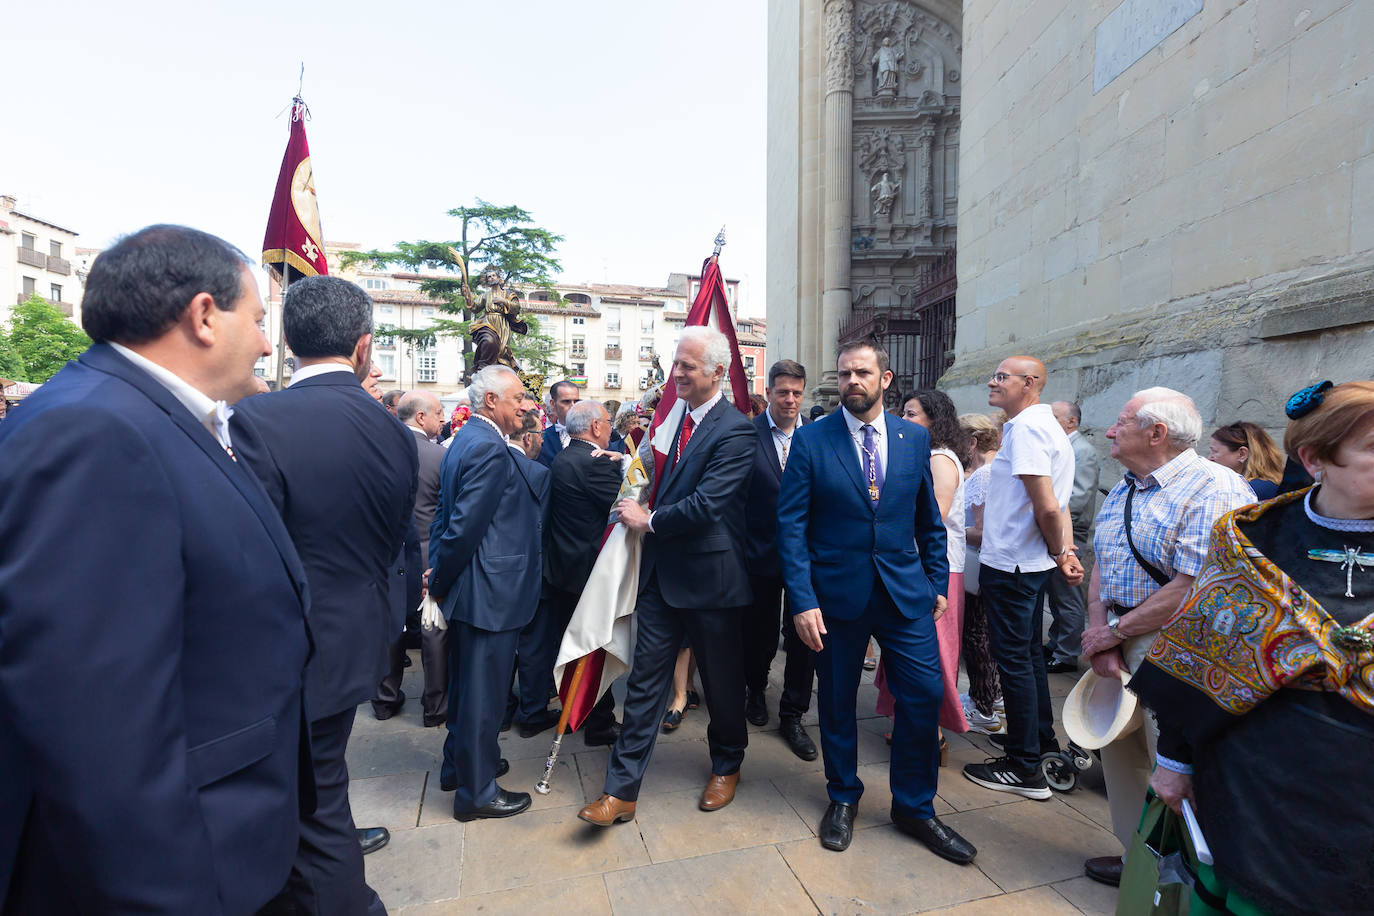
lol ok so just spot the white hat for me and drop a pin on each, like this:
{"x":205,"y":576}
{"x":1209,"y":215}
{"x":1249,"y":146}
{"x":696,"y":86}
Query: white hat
{"x":1099,"y":710}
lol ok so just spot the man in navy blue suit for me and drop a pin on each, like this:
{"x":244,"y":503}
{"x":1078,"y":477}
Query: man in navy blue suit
{"x":692,"y":582}
{"x":775,"y":428}
{"x":863,"y":554}
{"x":341,"y":470}
{"x":562,"y":396}
{"x":152,"y":608}
{"x":484,"y":550}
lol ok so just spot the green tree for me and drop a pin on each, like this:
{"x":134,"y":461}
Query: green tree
{"x":489,"y":236}
{"x":40,"y":341}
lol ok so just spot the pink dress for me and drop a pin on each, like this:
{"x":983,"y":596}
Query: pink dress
{"x":949,"y":629}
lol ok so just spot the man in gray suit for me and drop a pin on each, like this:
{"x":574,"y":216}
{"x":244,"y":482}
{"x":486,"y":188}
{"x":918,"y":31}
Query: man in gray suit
{"x":1068,"y":602}
{"x":423,"y":415}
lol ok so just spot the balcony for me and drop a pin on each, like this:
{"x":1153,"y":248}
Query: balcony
{"x":64,"y":307}
{"x":613,"y":353}
{"x":613,"y":383}
{"x":646,"y":354}
{"x":60,"y":266}
{"x":579,"y":352}
{"x":33,"y":258}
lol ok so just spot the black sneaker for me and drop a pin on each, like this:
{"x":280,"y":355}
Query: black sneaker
{"x":1002,"y":774}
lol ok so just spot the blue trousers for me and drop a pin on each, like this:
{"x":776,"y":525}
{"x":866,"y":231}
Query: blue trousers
{"x":479,"y":668}
{"x":1015,"y":605}
{"x":911,"y":656}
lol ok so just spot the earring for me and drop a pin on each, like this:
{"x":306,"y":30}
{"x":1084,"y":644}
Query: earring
{"x":1317,"y":475}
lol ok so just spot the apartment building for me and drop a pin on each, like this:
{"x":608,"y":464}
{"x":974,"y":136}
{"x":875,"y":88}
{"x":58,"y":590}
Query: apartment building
{"x":36,"y":257}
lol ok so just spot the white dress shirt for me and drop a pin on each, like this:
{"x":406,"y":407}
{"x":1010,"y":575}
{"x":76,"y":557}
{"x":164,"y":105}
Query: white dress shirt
{"x":782,"y":441}
{"x":879,"y":439}
{"x":315,"y":369}
{"x":213,"y":415}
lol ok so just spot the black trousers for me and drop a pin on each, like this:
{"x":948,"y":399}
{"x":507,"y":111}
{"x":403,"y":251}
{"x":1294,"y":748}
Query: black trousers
{"x":434,"y":661}
{"x":327,"y":876}
{"x":480,"y":663}
{"x":714,"y":634}
{"x":1015,"y":604}
{"x":761,"y":624}
{"x":538,"y":650}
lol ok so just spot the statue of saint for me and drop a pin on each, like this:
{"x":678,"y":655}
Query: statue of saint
{"x":496,"y":315}
{"x":884,"y":194}
{"x":887,"y":60}
{"x":657,"y":378}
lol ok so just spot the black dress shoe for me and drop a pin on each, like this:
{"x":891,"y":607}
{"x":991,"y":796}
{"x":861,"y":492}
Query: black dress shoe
{"x":505,"y":804}
{"x":693,"y":700}
{"x":602,"y":737}
{"x":1052,"y":667}
{"x":837,"y":827}
{"x":542,"y":722}
{"x":502,"y":768}
{"x":373,"y":838}
{"x":434,"y":721}
{"x":938,"y":838}
{"x":755,"y":708}
{"x":797,"y":738}
{"x":672,"y":720}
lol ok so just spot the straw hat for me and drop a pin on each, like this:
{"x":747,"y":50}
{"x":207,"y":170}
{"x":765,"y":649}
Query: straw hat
{"x":1099,"y":710}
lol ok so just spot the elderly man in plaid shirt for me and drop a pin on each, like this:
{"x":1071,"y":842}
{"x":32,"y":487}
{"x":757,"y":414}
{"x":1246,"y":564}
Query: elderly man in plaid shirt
{"x":1151,"y":541}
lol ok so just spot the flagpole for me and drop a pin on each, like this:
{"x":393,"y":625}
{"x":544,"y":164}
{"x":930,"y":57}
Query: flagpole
{"x":296,"y":104}
{"x":542,"y":786}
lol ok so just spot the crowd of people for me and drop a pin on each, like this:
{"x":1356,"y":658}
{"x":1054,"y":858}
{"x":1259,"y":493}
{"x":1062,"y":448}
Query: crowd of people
{"x":221,"y":577}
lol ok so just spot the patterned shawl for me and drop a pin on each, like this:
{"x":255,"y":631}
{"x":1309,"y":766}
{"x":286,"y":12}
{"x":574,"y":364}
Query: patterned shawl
{"x":1245,"y":631}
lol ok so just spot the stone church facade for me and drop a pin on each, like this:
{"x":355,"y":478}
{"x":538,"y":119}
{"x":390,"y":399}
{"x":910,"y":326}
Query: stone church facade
{"x":863,"y":168}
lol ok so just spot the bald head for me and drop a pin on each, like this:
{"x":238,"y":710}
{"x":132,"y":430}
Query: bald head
{"x":1016,"y":384}
{"x":422,"y":410}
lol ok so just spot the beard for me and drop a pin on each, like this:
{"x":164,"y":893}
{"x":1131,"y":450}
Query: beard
{"x":860,"y":402}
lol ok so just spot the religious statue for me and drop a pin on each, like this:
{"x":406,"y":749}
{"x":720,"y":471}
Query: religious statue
{"x":887,"y":61}
{"x":884,"y":194}
{"x":657,"y":378}
{"x":495,"y":315}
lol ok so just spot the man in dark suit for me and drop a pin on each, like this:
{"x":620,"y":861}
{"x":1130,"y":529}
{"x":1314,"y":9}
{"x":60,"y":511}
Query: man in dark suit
{"x":775,"y":427}
{"x":342,"y":473}
{"x":484,"y":550}
{"x":152,"y":608}
{"x":582,"y":492}
{"x":423,"y":415}
{"x":692,"y":582}
{"x":562,"y":396}
{"x":863,"y":554}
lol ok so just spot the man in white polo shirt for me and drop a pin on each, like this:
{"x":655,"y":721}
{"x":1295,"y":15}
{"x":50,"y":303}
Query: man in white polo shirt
{"x":1027,"y":537}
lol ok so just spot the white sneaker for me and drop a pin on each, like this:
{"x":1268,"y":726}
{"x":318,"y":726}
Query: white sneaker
{"x":984,"y":725}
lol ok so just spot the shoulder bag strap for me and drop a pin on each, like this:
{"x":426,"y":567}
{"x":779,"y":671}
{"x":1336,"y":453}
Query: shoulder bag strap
{"x":1145,"y":564}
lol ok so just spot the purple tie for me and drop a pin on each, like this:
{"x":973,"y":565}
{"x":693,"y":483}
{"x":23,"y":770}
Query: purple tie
{"x":873,"y":468}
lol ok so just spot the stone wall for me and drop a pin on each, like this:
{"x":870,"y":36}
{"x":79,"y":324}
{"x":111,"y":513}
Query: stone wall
{"x":1204,"y":220}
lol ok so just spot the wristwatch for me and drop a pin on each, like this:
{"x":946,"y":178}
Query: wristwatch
{"x":1112,"y":629}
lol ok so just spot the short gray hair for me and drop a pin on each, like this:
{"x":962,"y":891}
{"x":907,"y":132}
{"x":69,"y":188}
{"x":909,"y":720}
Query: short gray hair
{"x":489,"y":378}
{"x":715,"y":344}
{"x":412,"y":402}
{"x":1174,"y":409}
{"x":578,"y":422}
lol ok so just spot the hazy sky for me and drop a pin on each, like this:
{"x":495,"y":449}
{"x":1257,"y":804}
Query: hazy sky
{"x":634,"y":128}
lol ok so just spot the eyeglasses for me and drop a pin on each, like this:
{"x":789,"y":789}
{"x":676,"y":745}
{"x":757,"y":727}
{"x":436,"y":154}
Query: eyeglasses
{"x":1000,"y":377}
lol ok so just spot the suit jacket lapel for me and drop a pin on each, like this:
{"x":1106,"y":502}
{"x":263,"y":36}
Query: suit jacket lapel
{"x":896,"y":459}
{"x":843,"y":444}
{"x":770,"y":449}
{"x":701,"y":433}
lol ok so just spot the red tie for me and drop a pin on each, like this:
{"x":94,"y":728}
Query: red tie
{"x":685,"y":437}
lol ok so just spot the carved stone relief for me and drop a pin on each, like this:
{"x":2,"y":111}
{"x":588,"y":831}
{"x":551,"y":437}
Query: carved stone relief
{"x":839,"y":45}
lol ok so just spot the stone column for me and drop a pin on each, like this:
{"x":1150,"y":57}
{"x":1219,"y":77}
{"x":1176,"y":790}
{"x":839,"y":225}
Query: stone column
{"x":926,"y":139}
{"x":839,"y":180}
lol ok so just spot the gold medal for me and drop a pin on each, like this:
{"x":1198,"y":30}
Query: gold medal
{"x":873,"y":492}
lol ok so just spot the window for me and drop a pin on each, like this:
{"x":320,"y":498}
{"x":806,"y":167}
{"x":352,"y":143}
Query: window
{"x":56,"y":291}
{"x":375,"y":283}
{"x":387,"y":363}
{"x":579,"y":346}
{"x":55,"y":249}
{"x":578,"y":319}
{"x":646,"y":322}
{"x":385,"y":310}
{"x":426,"y":366}
{"x":613,"y":379}
{"x":644,"y":376}
{"x":385,"y":341}
{"x":612,"y":316}
{"x":27,"y":241}
{"x":579,"y":369}
{"x":646,"y":351}
{"x":427,"y":311}
{"x":749,"y":364}
{"x":28,"y":286}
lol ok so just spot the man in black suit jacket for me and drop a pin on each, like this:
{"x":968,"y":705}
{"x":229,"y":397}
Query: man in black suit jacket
{"x":692,"y":582}
{"x":152,"y":608}
{"x":484,"y":550}
{"x":562,"y":396}
{"x":775,"y":426}
{"x":342,"y":473}
{"x":423,"y":415}
{"x":580,"y":500}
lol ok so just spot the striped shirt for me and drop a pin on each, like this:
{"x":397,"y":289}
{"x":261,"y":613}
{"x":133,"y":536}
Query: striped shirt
{"x":1171,"y":522}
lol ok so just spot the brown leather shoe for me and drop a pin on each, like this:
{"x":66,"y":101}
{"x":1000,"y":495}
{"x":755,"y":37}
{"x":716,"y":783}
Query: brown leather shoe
{"x":719,"y":792}
{"x":607,"y":810}
{"x":1106,"y":869}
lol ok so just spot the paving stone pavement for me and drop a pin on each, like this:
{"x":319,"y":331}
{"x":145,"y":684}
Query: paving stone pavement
{"x":758,"y":855}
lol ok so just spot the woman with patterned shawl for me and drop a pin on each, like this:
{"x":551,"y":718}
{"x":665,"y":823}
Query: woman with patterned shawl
{"x":1263,"y":682}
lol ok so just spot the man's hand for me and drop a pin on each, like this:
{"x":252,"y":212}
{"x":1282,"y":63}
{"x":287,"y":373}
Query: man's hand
{"x":1173,"y":788}
{"x":810,"y":627}
{"x":607,"y":453}
{"x":1071,"y":569}
{"x":1108,"y":664}
{"x":1098,"y":639}
{"x":635,"y":517}
{"x":941,"y":605}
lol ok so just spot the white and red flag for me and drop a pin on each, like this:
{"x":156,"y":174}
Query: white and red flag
{"x":600,"y":628}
